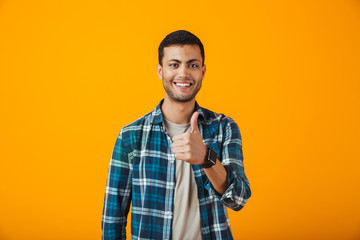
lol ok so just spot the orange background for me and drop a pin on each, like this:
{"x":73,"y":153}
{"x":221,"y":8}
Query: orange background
{"x":72,"y":73}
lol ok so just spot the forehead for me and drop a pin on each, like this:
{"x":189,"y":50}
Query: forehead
{"x":182,"y":52}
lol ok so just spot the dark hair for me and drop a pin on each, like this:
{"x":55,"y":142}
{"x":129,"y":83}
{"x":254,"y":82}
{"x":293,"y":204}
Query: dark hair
{"x":180,"y":37}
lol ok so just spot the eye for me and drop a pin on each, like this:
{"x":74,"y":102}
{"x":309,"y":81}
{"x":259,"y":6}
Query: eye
{"x":193,"y":65}
{"x":174,"y":65}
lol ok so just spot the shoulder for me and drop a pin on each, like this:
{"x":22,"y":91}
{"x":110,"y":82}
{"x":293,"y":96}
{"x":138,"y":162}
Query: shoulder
{"x":225,"y":124}
{"x":220,"y":118}
{"x":137,"y":126}
{"x":130,"y":134}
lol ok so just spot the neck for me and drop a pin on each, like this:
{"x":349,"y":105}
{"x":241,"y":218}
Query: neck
{"x":177,"y":112}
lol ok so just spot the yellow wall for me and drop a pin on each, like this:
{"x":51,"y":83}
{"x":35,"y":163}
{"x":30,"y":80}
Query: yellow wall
{"x":72,"y":73}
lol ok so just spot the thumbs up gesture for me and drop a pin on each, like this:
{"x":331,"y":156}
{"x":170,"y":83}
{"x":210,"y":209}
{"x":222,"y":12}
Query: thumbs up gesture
{"x":189,"y":146}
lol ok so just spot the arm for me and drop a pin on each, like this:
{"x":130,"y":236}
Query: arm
{"x":227,"y":179}
{"x":218,"y":177}
{"x":118,"y":192}
{"x":238,"y":190}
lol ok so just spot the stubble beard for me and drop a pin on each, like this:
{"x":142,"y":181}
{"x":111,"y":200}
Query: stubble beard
{"x":175,"y":98}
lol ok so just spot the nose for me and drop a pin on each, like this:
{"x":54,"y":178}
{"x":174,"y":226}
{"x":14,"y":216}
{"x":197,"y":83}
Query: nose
{"x":183,"y":73}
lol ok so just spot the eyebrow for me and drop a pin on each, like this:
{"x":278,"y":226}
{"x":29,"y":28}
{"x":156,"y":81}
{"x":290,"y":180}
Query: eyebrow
{"x":189,"y":61}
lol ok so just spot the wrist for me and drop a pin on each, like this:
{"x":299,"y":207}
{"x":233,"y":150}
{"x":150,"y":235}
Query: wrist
{"x":205,"y":157}
{"x":210,"y":159}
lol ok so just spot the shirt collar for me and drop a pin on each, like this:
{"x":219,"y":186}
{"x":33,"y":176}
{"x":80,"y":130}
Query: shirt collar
{"x":157,"y":116}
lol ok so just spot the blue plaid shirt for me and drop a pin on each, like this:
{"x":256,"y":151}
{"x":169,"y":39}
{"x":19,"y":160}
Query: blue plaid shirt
{"x":142,"y":172}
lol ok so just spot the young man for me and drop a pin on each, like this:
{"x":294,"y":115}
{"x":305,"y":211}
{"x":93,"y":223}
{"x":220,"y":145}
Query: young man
{"x":180,"y":165}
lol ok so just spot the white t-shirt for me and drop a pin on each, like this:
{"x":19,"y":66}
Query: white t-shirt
{"x":186,"y":218}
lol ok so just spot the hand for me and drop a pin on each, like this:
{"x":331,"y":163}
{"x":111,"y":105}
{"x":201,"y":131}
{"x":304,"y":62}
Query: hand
{"x":189,"y":146}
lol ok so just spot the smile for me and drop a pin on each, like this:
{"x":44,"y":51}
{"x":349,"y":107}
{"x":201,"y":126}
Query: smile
{"x":183,"y":84}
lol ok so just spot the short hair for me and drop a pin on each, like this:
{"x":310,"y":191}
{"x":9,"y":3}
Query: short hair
{"x":180,"y":37}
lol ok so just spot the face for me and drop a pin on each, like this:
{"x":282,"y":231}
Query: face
{"x":182,"y":72}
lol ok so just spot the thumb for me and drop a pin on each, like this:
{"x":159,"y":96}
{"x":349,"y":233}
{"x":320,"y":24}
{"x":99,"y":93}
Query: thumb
{"x":193,"y":122}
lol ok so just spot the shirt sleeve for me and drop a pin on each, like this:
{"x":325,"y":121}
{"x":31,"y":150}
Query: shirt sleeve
{"x":118,"y":192}
{"x":238,"y":191}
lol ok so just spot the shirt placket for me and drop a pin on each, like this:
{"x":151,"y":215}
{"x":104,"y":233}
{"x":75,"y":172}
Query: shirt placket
{"x":201,"y":193}
{"x":170,"y":189}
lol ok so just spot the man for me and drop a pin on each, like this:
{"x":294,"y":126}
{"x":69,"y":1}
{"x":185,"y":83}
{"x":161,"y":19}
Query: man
{"x":180,"y":165}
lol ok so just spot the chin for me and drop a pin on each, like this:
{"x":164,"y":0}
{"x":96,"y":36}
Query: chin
{"x":180,"y":98}
{"x":183,"y":100}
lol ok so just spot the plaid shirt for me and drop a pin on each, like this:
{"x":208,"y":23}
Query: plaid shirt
{"x":142,"y":172}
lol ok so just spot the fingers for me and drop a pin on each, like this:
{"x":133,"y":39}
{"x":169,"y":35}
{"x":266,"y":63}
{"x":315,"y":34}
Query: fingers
{"x":180,"y":149}
{"x":181,"y":136}
{"x":183,"y":157}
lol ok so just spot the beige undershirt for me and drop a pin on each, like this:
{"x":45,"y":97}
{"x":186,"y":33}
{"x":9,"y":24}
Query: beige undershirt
{"x":186,"y":218}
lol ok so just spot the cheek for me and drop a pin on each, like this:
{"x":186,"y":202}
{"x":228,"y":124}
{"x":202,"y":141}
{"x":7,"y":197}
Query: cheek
{"x":197,"y":74}
{"x":167,"y":75}
{"x":198,"y":77}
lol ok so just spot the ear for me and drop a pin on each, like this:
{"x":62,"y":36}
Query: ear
{"x":203,"y":71}
{"x":159,"y":70}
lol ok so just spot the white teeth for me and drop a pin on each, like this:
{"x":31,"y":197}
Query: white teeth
{"x":182,"y":84}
